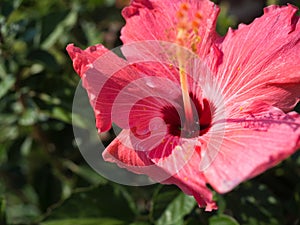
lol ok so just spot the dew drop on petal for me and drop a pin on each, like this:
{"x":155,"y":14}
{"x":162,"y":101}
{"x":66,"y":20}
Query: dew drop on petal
{"x":150,"y":84}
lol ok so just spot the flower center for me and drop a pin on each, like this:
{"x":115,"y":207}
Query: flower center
{"x":184,"y":28}
{"x":188,"y":111}
{"x":175,"y":118}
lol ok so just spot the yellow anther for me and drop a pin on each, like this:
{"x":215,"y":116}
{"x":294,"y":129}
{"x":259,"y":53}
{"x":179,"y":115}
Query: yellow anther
{"x":180,"y":15}
{"x":194,"y":47}
{"x":197,"y":39}
{"x":198,"y":15}
{"x":180,"y":41}
{"x":195,"y":24}
{"x":188,"y":27}
{"x":184,"y":6}
{"x":194,"y":43}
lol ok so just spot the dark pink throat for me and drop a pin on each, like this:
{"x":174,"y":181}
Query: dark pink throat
{"x":176,"y":121}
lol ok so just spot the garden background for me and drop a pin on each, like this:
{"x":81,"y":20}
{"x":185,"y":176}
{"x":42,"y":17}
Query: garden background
{"x":43,"y":177}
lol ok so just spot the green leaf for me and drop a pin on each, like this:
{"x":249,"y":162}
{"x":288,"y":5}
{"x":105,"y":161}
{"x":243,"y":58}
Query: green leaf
{"x":3,"y":152}
{"x":225,"y":20}
{"x":173,"y":204}
{"x":61,"y":114}
{"x":26,"y":146}
{"x":61,"y":29}
{"x":272,"y":2}
{"x":29,"y":117}
{"x":257,"y":205}
{"x":86,"y":172}
{"x":8,"y":133}
{"x":222,"y":220}
{"x":50,"y":22}
{"x":45,"y":58}
{"x":103,"y":201}
{"x":8,"y":119}
{"x":92,"y":32}
{"x":85,"y":221}
{"x":2,"y":211}
{"x":6,"y":84}
{"x":21,"y":213}
{"x":140,"y":223}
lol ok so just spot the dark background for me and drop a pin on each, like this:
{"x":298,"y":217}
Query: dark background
{"x":43,"y":177}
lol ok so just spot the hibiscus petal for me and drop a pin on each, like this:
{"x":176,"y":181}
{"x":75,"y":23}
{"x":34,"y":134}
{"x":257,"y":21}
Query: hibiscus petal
{"x":261,"y":60}
{"x":158,"y":20}
{"x":103,"y":83}
{"x":183,"y":164}
{"x":83,"y":58}
{"x":251,"y":144}
{"x":189,"y":180}
{"x":258,"y":62}
{"x":140,"y":107}
{"x":84,"y":62}
{"x":122,"y":151}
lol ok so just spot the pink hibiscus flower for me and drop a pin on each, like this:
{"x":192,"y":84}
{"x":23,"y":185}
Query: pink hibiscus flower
{"x":197,"y":108}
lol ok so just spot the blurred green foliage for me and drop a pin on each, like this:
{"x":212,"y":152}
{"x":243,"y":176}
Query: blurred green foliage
{"x":44,"y":179}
